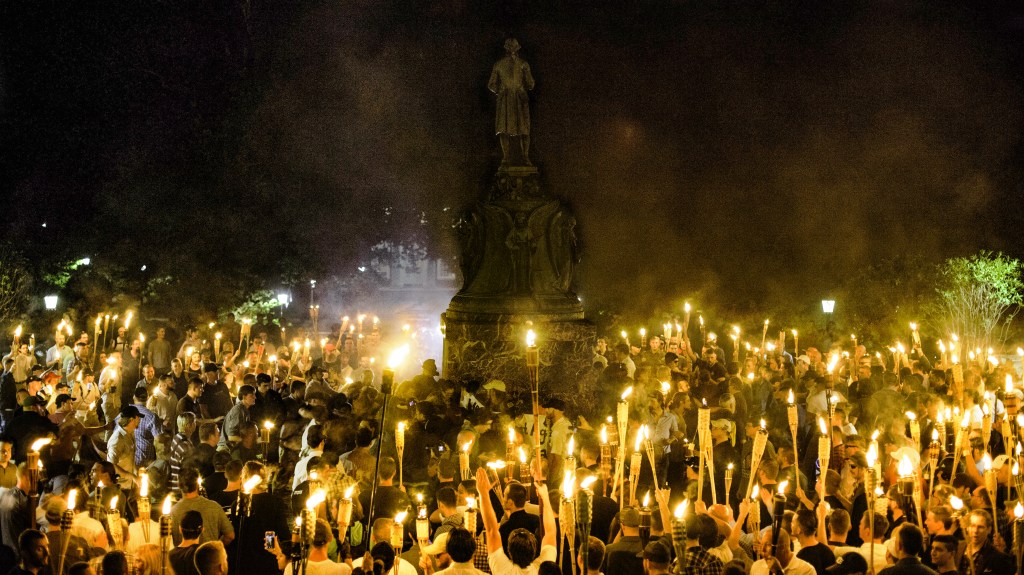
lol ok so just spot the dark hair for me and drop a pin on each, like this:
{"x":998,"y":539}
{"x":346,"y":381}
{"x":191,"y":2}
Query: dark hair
{"x":383,"y":557}
{"x":709,"y":535}
{"x":518,"y":494}
{"x":188,"y":480}
{"x":114,"y":563}
{"x":364,"y":437}
{"x":28,"y":537}
{"x":387,"y":468}
{"x":807,"y":521}
{"x":233,"y":470}
{"x":315,"y":435}
{"x":839,"y":520}
{"x":522,"y":547}
{"x":461,"y":545}
{"x":446,"y":496}
{"x":943,"y":513}
{"x":948,"y":541}
{"x":911,"y":539}
{"x":734,"y":567}
{"x":208,"y":430}
{"x":881,"y":524}
{"x":549,"y":568}
{"x":141,"y":393}
{"x":80,"y":568}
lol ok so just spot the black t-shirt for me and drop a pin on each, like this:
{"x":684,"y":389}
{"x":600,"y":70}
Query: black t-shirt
{"x":819,"y":556}
{"x":182,"y":559}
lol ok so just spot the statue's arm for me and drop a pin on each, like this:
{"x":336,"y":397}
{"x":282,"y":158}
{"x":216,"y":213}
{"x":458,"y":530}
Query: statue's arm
{"x":492,"y":84}
{"x":527,"y":77}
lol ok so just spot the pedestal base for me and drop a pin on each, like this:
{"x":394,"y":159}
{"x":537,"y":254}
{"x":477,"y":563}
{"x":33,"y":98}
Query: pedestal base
{"x":493,"y":347}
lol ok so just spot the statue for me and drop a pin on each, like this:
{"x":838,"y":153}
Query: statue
{"x":510,"y":79}
{"x":563,"y":250}
{"x":521,"y":245}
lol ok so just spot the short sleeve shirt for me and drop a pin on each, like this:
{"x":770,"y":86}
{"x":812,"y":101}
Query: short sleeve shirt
{"x":502,"y":565}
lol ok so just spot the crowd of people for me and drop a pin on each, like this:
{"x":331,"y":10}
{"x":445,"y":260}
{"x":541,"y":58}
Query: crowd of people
{"x":244,"y":441}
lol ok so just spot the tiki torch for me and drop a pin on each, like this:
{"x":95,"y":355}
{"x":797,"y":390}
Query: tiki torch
{"x":778,"y":513}
{"x":165,"y":532}
{"x":533,"y":372}
{"x":66,"y":518}
{"x":679,"y":536}
{"x":794,"y":423}
{"x":757,"y":452}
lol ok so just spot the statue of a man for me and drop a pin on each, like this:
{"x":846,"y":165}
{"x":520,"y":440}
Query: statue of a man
{"x":510,"y":79}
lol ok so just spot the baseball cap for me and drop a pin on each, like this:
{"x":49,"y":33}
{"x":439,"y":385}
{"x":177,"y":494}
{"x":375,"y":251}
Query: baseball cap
{"x":31,"y":401}
{"x":439,"y":545}
{"x":630,"y":517}
{"x":848,"y":564}
{"x":656,"y":552}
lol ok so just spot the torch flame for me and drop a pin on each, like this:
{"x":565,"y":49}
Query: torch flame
{"x":627,"y":393}
{"x":905,"y":467}
{"x":782,"y":487}
{"x":113,"y":503}
{"x":586,"y":483}
{"x":72,"y":498}
{"x":821,"y":424}
{"x":398,"y":356}
{"x":268,"y":424}
{"x":681,"y":510}
{"x":1018,"y":511}
{"x":911,"y":415}
{"x":466,"y":446}
{"x":755,"y":492}
{"x":39,"y":444}
{"x":316,"y":499}
{"x":956,"y":503}
{"x":348,"y":491}
{"x":167,"y":505}
{"x":647,"y":499}
{"x":251,"y":483}
{"x":790,"y":399}
{"x":400,"y":518}
{"x":531,"y":338}
{"x":512,"y":434}
{"x":604,"y":434}
{"x":522,"y":455}
{"x":470,"y":502}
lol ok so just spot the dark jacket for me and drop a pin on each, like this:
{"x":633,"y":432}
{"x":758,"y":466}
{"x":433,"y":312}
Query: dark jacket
{"x":908,"y":566}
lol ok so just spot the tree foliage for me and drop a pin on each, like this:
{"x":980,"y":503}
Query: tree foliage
{"x":15,"y":282}
{"x":978,"y":297}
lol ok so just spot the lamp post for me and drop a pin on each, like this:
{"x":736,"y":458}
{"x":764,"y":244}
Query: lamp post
{"x":51,"y":302}
{"x":827,"y":307}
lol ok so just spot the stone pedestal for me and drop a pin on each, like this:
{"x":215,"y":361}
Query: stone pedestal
{"x":519,"y":253}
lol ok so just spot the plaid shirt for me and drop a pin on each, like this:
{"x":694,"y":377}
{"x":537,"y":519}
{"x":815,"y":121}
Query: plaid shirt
{"x":700,"y":562}
{"x":181,"y":452}
{"x":145,"y":434}
{"x":480,"y":555}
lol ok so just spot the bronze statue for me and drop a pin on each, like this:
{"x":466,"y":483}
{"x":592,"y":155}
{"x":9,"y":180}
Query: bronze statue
{"x":510,"y":79}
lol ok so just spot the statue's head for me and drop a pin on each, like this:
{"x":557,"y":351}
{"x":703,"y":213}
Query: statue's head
{"x":511,"y":45}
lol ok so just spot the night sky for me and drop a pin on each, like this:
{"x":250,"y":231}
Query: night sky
{"x":738,"y":155}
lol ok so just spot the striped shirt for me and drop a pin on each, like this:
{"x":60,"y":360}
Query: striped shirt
{"x":181,"y":453}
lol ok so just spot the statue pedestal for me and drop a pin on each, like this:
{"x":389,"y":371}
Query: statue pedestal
{"x":519,"y":252}
{"x":495,"y":348}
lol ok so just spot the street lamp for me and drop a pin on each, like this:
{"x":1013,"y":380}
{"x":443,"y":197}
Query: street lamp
{"x":282,"y":298}
{"x":828,"y":305}
{"x":51,"y":302}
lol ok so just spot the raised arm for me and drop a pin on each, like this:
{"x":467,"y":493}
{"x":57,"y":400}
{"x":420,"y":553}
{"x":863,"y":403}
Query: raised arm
{"x":737,"y":528}
{"x":483,"y":486}
{"x":550,"y":528}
